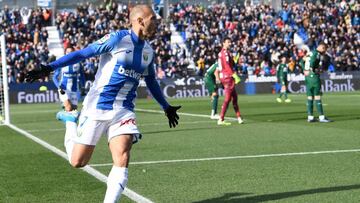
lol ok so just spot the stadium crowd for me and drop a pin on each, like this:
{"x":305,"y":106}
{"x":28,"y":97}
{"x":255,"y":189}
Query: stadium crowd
{"x":26,"y":40}
{"x":87,"y":24}
{"x":260,"y":35}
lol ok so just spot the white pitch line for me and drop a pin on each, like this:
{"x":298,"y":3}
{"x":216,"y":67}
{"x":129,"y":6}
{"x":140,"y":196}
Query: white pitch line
{"x":46,"y":130}
{"x":179,"y":113}
{"x":235,"y":157}
{"x":88,"y":169}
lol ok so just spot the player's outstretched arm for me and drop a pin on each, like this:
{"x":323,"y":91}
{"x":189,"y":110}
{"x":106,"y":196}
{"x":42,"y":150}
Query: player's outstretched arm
{"x":104,"y":45}
{"x":73,"y":58}
{"x":170,"y":111}
{"x":69,"y":59}
{"x":56,"y":78}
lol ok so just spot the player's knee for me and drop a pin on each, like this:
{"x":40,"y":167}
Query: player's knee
{"x":78,"y":163}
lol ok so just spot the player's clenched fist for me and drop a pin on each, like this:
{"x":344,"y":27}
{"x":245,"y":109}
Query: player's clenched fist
{"x":38,"y":73}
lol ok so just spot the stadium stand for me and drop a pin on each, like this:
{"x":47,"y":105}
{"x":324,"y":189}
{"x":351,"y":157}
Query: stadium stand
{"x":26,"y":40}
{"x":259,"y":34}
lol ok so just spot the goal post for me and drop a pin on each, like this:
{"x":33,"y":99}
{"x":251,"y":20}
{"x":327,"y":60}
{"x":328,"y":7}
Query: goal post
{"x":4,"y":87}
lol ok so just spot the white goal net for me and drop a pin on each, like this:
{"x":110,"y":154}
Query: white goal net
{"x":4,"y":89}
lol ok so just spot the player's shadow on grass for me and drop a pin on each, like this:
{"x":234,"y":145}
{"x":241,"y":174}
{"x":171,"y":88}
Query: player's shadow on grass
{"x":345,"y":117}
{"x":236,"y":197}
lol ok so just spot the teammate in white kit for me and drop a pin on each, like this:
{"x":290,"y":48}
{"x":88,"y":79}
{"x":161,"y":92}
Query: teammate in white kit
{"x":67,"y":81}
{"x":125,"y":56}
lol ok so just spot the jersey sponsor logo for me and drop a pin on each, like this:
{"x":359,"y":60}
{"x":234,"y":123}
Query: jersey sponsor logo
{"x":69,"y":75}
{"x":129,"y":72}
{"x":130,"y":121}
{"x":104,"y":39}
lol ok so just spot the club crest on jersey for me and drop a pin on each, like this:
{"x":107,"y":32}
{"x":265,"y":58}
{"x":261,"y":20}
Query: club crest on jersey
{"x":145,"y":57}
{"x":104,"y":39}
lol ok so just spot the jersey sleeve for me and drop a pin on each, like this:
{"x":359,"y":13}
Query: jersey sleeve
{"x":56,"y":77}
{"x":72,"y":58}
{"x":154,"y":87}
{"x":108,"y":42}
{"x":103,"y":45}
{"x":156,"y":92}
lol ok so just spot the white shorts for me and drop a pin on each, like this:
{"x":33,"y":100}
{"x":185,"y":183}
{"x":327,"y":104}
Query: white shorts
{"x":69,"y":95}
{"x":89,"y":130}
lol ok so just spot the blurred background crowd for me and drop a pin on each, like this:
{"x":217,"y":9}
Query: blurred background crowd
{"x":26,"y":40}
{"x":259,"y":35}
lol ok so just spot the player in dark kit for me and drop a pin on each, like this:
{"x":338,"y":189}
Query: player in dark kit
{"x":210,"y":83}
{"x":313,"y":83}
{"x":281,"y":72}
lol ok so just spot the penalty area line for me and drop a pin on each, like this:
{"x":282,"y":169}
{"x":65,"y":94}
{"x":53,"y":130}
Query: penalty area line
{"x":88,"y":169}
{"x":236,"y":157}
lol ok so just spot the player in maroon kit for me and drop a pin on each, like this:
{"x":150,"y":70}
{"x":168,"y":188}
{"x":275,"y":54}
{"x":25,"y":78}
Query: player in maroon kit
{"x":228,"y":77}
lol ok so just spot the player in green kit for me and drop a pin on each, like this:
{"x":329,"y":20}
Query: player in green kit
{"x":281,"y":73}
{"x":313,"y":83}
{"x":210,"y":83}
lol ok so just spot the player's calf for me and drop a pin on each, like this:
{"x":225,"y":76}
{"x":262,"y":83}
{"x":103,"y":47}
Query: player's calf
{"x":120,"y":147}
{"x":81,"y":155}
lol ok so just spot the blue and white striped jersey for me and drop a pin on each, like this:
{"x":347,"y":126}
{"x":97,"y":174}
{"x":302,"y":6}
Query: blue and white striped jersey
{"x":68,"y":78}
{"x":124,"y":59}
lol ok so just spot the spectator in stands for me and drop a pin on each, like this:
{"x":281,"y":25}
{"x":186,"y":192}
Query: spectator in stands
{"x":261,"y":34}
{"x":26,"y":41}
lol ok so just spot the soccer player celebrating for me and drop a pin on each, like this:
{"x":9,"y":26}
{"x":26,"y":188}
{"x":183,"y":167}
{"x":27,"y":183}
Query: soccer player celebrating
{"x":68,"y":84}
{"x":313,"y":83}
{"x":281,"y":73}
{"x":228,"y":77}
{"x":125,"y":56}
{"x":210,"y":83}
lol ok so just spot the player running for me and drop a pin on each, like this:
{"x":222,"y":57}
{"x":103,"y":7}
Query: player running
{"x":210,"y":83}
{"x":228,"y":77}
{"x":68,"y":85}
{"x":313,"y":83}
{"x":125,"y":56}
{"x":281,"y":73}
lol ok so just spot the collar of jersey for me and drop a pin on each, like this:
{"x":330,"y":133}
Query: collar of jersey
{"x":136,"y":39}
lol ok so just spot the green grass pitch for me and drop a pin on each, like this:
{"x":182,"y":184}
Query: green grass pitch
{"x":31,"y":173}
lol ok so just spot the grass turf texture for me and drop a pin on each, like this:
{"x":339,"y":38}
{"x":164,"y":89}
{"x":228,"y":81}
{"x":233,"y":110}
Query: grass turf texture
{"x":270,"y":128}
